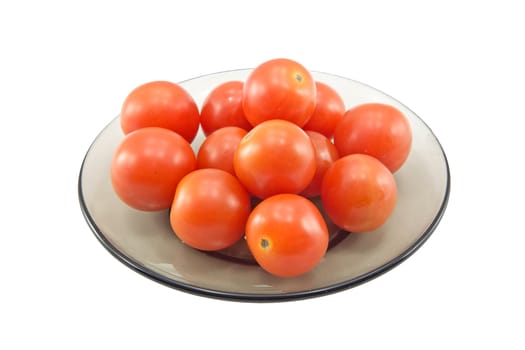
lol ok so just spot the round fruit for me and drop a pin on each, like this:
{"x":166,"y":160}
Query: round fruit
{"x":163,"y":104}
{"x":329,"y":109}
{"x":223,"y":107}
{"x":275,"y":157}
{"x":209,"y":209}
{"x":279,"y":89}
{"x":376,"y":129}
{"x":147,"y":166}
{"x":287,"y":235}
{"x":358,"y":193}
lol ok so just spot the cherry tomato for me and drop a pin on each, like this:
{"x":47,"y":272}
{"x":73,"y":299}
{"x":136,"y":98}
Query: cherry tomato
{"x":275,"y":157}
{"x":219,"y":147}
{"x":376,"y":129}
{"x":147,"y":166}
{"x":329,"y":109}
{"x":163,"y":104}
{"x":325,"y":155}
{"x":279,"y":89}
{"x":223,"y":107}
{"x":287,"y":235}
{"x":358,"y":193}
{"x":210,"y":209}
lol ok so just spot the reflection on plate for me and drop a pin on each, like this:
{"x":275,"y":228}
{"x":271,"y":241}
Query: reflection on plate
{"x":144,"y":241}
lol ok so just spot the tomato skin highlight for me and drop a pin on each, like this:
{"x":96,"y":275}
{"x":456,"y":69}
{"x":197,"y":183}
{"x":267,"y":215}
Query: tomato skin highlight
{"x":287,"y":235}
{"x":325,"y":155}
{"x":329,"y":110}
{"x":279,"y":89}
{"x":147,"y":166}
{"x":162,"y":104}
{"x":218,"y":149}
{"x":376,"y":129}
{"x":275,"y":157}
{"x":209,"y":209}
{"x":223,"y":107}
{"x":358,"y":193}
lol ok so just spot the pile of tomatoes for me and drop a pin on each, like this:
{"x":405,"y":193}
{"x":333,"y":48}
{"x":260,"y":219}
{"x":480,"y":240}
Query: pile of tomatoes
{"x":278,"y":136}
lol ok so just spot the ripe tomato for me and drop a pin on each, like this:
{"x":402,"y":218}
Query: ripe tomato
{"x":163,"y":104}
{"x":147,"y":166}
{"x":219,"y":147}
{"x":223,"y":107}
{"x":325,"y":155}
{"x":329,"y":109}
{"x":358,"y":193}
{"x":287,"y":235}
{"x":376,"y":129}
{"x":279,"y":89}
{"x":210,"y":209}
{"x":276,"y":156}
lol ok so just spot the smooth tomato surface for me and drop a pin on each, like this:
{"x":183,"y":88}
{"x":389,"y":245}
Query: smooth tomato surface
{"x":210,"y":209}
{"x":275,"y":157}
{"x":325,"y":155}
{"x":376,"y":129}
{"x":279,"y":89}
{"x":163,"y":104}
{"x":287,"y":235}
{"x":329,"y":109}
{"x":219,"y":147}
{"x":147,"y":166}
{"x":358,"y":193}
{"x":223,"y":107}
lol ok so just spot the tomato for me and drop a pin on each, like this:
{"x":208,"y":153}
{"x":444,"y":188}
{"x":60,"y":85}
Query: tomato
{"x":376,"y":129}
{"x":210,"y":209}
{"x":147,"y":166}
{"x":287,"y":235}
{"x":358,"y":193}
{"x":275,"y":157}
{"x":163,"y":104}
{"x":279,"y":89}
{"x":325,"y":155}
{"x":219,"y":147}
{"x":329,"y":109}
{"x":223,"y":107}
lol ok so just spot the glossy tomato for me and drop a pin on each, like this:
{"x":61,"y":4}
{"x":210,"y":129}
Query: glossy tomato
{"x":147,"y":166}
{"x":163,"y":104}
{"x":279,"y":89}
{"x":223,"y":107}
{"x":275,"y":157}
{"x":376,"y":129}
{"x":287,"y":235}
{"x":219,"y":147}
{"x":325,"y":155}
{"x":329,"y":109}
{"x":358,"y":193}
{"x":210,"y":209}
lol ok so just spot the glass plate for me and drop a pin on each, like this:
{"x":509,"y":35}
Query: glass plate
{"x":144,"y":241}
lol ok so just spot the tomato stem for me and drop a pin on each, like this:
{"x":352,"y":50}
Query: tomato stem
{"x":264,"y":243}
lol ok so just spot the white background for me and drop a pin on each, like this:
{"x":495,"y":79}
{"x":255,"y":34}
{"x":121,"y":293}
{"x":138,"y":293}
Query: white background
{"x":65,"y":68}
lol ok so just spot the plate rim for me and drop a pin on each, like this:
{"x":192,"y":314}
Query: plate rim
{"x":265,"y":297}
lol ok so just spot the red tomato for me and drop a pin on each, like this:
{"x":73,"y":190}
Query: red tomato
{"x":210,"y":209}
{"x":376,"y":129}
{"x":358,"y":193}
{"x":329,"y":109}
{"x":162,"y":104}
{"x":147,"y":166}
{"x":276,"y":156}
{"x":223,"y":107}
{"x":219,"y":147}
{"x":287,"y":235}
{"x":325,"y":155}
{"x":279,"y":89}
